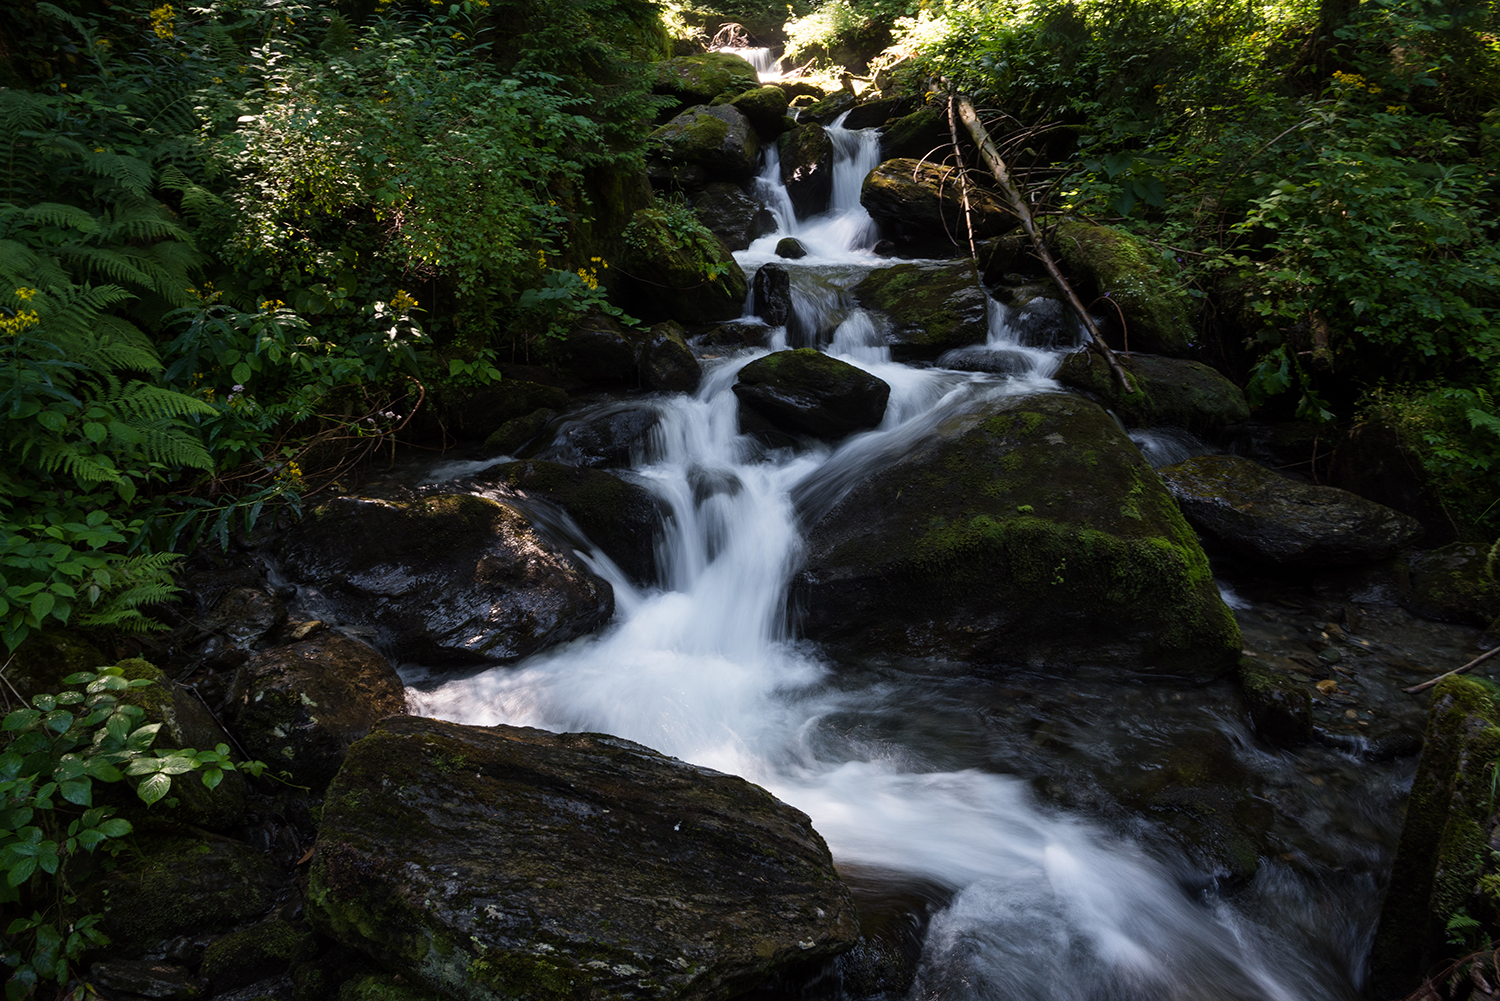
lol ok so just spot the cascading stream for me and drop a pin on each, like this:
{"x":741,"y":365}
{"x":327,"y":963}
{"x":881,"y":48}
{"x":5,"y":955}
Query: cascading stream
{"x":1029,"y":902}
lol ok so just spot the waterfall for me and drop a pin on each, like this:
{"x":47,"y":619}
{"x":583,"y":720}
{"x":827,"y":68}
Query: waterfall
{"x":1026,"y":901}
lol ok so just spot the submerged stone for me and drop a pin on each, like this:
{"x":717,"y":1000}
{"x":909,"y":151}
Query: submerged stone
{"x":510,"y":863}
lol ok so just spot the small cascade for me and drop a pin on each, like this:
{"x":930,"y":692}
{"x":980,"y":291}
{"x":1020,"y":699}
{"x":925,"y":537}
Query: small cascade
{"x":767,"y":64}
{"x":843,"y":234}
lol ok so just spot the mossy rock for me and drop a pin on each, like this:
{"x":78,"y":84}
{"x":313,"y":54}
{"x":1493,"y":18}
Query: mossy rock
{"x":1457,"y":583}
{"x":601,"y":352}
{"x":698,"y":79}
{"x":764,"y":108}
{"x":733,"y":216}
{"x":824,"y":110}
{"x":256,"y":953}
{"x":1103,"y":262}
{"x":1280,"y":708}
{"x":1169,"y":391}
{"x":667,"y":363}
{"x":923,"y":203}
{"x":692,"y":281}
{"x":384,"y":987}
{"x":505,"y":863}
{"x":806,"y":392}
{"x":873,"y":114}
{"x":806,"y":157}
{"x":719,"y":139}
{"x":47,"y":656}
{"x":916,"y":135}
{"x":933,"y":307}
{"x":514,"y":435}
{"x":1445,"y":837}
{"x":1026,"y":530}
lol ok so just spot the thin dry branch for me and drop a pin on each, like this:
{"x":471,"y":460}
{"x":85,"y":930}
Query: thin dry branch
{"x":1414,"y":689}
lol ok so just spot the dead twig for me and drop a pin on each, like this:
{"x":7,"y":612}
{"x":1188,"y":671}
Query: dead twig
{"x":1414,"y":689}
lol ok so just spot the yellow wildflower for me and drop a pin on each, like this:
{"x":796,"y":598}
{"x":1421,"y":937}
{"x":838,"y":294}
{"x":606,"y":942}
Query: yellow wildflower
{"x":161,"y":22}
{"x":402,"y":302}
{"x":25,"y":294}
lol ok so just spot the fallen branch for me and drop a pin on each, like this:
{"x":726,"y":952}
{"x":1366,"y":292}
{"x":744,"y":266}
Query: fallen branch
{"x":1414,"y":689}
{"x":991,"y":157}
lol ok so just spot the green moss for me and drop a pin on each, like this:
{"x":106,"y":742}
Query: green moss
{"x":383,"y":987}
{"x":1107,"y":261}
{"x":519,"y":976}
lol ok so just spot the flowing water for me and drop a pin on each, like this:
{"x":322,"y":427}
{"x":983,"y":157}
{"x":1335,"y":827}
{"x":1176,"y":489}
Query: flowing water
{"x":967,"y":810}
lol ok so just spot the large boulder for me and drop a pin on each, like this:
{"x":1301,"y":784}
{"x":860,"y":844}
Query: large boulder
{"x":1026,"y":530}
{"x":622,"y":519}
{"x":1108,"y":263}
{"x":447,"y":579}
{"x":772,"y":294}
{"x":505,"y":863}
{"x":481,"y":411}
{"x":733,"y":216}
{"x":700,"y":78}
{"x":308,"y":701}
{"x":1170,"y":391}
{"x":1269,"y":518}
{"x":932,"y":307}
{"x":765,"y":108}
{"x":718,"y":138}
{"x":615,"y":439}
{"x":917,"y":135}
{"x":667,"y":363}
{"x":688,"y":276}
{"x":600,"y":352}
{"x":922,"y":201}
{"x":806,"y":392}
{"x":806,"y":155}
{"x":1459,"y":582}
{"x":873,"y":114}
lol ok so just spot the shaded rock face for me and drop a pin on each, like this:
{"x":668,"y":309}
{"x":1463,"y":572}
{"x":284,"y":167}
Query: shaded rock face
{"x":736,"y":335}
{"x":667,"y":363}
{"x":1028,"y":530}
{"x":1044,"y":323}
{"x":915,"y":198}
{"x":765,"y":107}
{"x":599,"y":352}
{"x":916,"y":135}
{"x":1280,"y":708}
{"x":1457,"y":583}
{"x":1375,"y":463}
{"x":307,"y":702}
{"x":773,"y":294}
{"x":732,"y":215}
{"x":806,"y":392}
{"x":1101,"y":261}
{"x":614,"y":440}
{"x":621,"y":518}
{"x":1170,"y":391}
{"x":718,"y":138}
{"x":671,"y":276}
{"x":513,"y":436}
{"x":807,"y":169}
{"x":1444,"y":838}
{"x":482,"y":411}
{"x":449,"y":579}
{"x":513,"y":863}
{"x":933,"y":307}
{"x":698,"y":79}
{"x":824,"y":110}
{"x":1266,"y":517}
{"x":873,"y":114}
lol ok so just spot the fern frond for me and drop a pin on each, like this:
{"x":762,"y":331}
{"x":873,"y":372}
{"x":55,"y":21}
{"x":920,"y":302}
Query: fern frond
{"x":129,"y":172}
{"x":21,"y":265}
{"x":146,"y":402}
{"x":64,"y":216}
{"x":112,"y":263}
{"x":82,"y":467}
{"x":135,"y":583}
{"x":140,"y":222}
{"x":118,"y":343}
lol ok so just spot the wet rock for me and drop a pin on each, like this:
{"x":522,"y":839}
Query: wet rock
{"x":1444,"y":839}
{"x":1000,"y":257}
{"x":244,"y":616}
{"x":981,"y":358}
{"x":773,"y":294}
{"x":384,"y":987}
{"x":873,"y":114}
{"x":1028,"y":530}
{"x":732,"y":215}
{"x":1280,"y":708}
{"x":505,"y":862}
{"x":173,"y":884}
{"x":790,"y":248}
{"x":933,"y":307}
{"x":621,"y":518}
{"x":257,"y":953}
{"x":485,"y":409}
{"x":806,"y":155}
{"x":1170,"y":391}
{"x":1373,"y":461}
{"x":765,"y":108}
{"x":1104,"y":262}
{"x":698,"y":79}
{"x":690,"y":281}
{"x":806,"y":392}
{"x":917,"y":135}
{"x":614,"y":440}
{"x":449,"y":579}
{"x":308,"y":701}
{"x":1268,"y":518}
{"x":514,"y":435}
{"x":736,"y":335}
{"x":1044,"y":323}
{"x":1457,"y":583}
{"x":600,"y":352}
{"x":667,"y":363}
{"x":149,"y":979}
{"x":719,"y":139}
{"x":919,"y":200}
{"x":826,"y":109}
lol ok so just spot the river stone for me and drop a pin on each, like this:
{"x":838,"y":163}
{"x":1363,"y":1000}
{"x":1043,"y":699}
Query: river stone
{"x":765,"y":107}
{"x":600,"y":352}
{"x":148,"y":979}
{"x":1458,"y":583}
{"x":917,"y":136}
{"x":1269,"y":518}
{"x":915,"y":199}
{"x":824,"y":110}
{"x":806,"y":392}
{"x":667,"y":363}
{"x":698,"y":79}
{"x":244,"y":616}
{"x":1026,"y":530}
{"x":1044,"y":323}
{"x":933,"y":307}
{"x":1280,"y":707}
{"x":807,"y":169}
{"x":621,"y":518}
{"x":615,"y":440}
{"x":690,"y":281}
{"x":1444,"y":838}
{"x":873,"y":114}
{"x":511,"y":863}
{"x":308,"y":701}
{"x":253,"y":954}
{"x":1171,"y":391}
{"x":772,"y":295}
{"x":449,"y":579}
{"x":1104,"y":262}
{"x":514,"y":435}
{"x":750,"y":334}
{"x":790,"y":248}
{"x":719,"y":139}
{"x":732,"y":215}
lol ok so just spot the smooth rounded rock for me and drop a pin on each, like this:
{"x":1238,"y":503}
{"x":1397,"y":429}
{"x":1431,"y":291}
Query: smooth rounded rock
{"x":806,"y":155}
{"x":920,"y":200}
{"x":732,"y":215}
{"x":616,"y":439}
{"x":806,"y":392}
{"x":1169,"y":391}
{"x":717,"y":138}
{"x":667,"y":363}
{"x":933,"y":308}
{"x":790,"y":248}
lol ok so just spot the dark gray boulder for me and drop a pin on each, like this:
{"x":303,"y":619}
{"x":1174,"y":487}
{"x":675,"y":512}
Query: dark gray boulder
{"x":732,"y":215}
{"x":615,"y":439}
{"x":1459,"y":582}
{"x":807,"y":168}
{"x":790,"y":248}
{"x":915,"y":136}
{"x":1169,"y":391}
{"x":448,"y":579}
{"x":305,"y":703}
{"x":1269,"y":518}
{"x":698,"y":79}
{"x":772,"y":294}
{"x":514,"y":435}
{"x":923,"y":201}
{"x":1280,"y":706}
{"x":933,"y":308}
{"x":765,"y":107}
{"x":806,"y":392}
{"x":1105,"y":262}
{"x":873,"y":114}
{"x":669,"y":277}
{"x":717,"y":138}
{"x":504,"y":863}
{"x":600,"y":352}
{"x":1026,"y":530}
{"x":667,"y":363}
